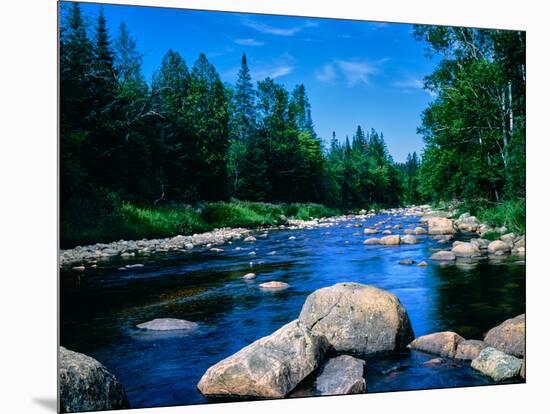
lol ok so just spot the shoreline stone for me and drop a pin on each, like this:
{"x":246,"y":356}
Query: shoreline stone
{"x":439,"y":343}
{"x":86,"y":385}
{"x":509,"y":336}
{"x":496,"y":364}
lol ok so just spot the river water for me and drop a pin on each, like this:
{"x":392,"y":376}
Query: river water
{"x":101,"y":307}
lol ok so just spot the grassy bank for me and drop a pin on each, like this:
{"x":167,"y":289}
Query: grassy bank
{"x":511,"y":213}
{"x":131,"y":222}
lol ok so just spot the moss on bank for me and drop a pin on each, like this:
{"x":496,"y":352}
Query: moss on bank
{"x":132,"y":222}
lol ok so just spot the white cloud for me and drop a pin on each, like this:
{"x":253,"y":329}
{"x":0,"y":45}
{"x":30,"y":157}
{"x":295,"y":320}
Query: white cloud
{"x":278,"y":31}
{"x":326,"y":74}
{"x":356,"y":71}
{"x":281,"y":71}
{"x":248,"y":42}
{"x":410,"y":85}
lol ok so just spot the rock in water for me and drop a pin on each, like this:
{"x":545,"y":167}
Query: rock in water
{"x":496,"y":364}
{"x":270,"y":367}
{"x":420,"y":230}
{"x":391,"y":240}
{"x":408,"y":239}
{"x":168,"y":324}
{"x":86,"y":385}
{"x":440,"y":343}
{"x":274,"y":285}
{"x":443,"y":256}
{"x":341,"y":375}
{"x":498,"y":246}
{"x":440,"y":225}
{"x":465,"y":250}
{"x":370,"y":231}
{"x":249,"y":276}
{"x":357,"y":318}
{"x":469,"y":349}
{"x":372,"y":240}
{"x":406,"y":262}
{"x":509,"y":336}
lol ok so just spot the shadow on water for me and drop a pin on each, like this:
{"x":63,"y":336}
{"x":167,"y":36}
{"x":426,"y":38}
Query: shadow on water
{"x":100,"y":308}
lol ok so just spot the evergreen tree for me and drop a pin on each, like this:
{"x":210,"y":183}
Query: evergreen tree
{"x":243,"y":125}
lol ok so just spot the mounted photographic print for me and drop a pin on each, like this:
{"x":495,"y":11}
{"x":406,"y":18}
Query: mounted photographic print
{"x":262,"y":207}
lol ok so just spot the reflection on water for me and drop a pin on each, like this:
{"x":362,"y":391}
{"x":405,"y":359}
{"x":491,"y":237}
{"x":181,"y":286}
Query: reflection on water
{"x":100,"y":308}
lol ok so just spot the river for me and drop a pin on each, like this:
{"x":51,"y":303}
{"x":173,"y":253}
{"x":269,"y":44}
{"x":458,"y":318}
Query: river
{"x":101,"y":307}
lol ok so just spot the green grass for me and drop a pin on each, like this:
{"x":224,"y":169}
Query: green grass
{"x":511,"y":214}
{"x":491,"y":235}
{"x":131,"y":222}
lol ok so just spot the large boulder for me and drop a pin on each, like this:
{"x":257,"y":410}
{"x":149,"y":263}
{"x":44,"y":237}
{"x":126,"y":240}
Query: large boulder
{"x":440,"y":225}
{"x":465,"y":250}
{"x":393,"y":240}
{"x":469,"y":349}
{"x":440,"y":343}
{"x":498,"y":246}
{"x":496,"y":364}
{"x":269,"y":368}
{"x":341,"y":375}
{"x":86,"y":385}
{"x":509,"y":336}
{"x":356,"y":318}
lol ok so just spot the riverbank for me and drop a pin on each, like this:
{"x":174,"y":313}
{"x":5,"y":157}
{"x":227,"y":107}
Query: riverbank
{"x":131,"y":222}
{"x":90,"y":254}
{"x":221,"y":212}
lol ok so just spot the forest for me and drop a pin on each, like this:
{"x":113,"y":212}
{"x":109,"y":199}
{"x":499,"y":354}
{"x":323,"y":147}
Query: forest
{"x":186,"y":152}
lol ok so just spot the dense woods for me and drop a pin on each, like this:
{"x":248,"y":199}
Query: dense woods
{"x":184,"y":138}
{"x":475,"y":128}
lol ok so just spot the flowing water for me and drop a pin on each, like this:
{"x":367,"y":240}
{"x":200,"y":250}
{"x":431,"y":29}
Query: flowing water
{"x":101,"y":307}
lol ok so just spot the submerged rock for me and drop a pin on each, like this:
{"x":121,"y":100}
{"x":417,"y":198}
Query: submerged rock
{"x":423,"y":263}
{"x":86,"y":385}
{"x":406,"y":262}
{"x":341,"y":375}
{"x":440,"y":343}
{"x":250,"y":239}
{"x":496,"y":364}
{"x":469,"y":349}
{"x":270,"y":367}
{"x":509,"y":336}
{"x":274,"y":285}
{"x":357,"y":318}
{"x":249,"y":276}
{"x":168,"y":324}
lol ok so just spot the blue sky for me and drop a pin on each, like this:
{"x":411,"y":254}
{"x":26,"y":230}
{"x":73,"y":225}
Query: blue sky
{"x":355,"y":73}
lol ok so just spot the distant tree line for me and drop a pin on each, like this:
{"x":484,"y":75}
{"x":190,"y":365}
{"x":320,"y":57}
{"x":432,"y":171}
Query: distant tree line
{"x":186,"y":137}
